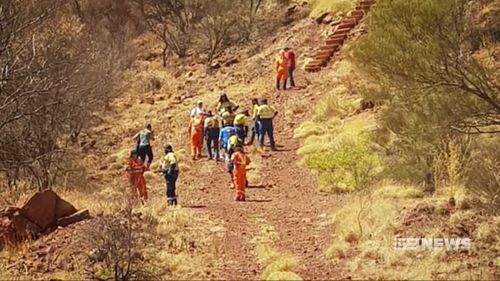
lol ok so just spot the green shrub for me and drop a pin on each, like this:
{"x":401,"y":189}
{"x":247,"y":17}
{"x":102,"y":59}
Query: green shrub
{"x":430,"y":90}
{"x":348,"y":166}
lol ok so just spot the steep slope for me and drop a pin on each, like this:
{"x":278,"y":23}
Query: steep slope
{"x":281,"y":193}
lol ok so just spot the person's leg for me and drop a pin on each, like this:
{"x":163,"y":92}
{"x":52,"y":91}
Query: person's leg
{"x":142,"y":153}
{"x":174,"y":181}
{"x":261,"y":135}
{"x":290,"y":76}
{"x":252,"y":136}
{"x":277,"y":84}
{"x":193,"y":146}
{"x":169,"y":190}
{"x":216,"y":144}
{"x":270,"y":133}
{"x":149,"y":152}
{"x":209,"y":142}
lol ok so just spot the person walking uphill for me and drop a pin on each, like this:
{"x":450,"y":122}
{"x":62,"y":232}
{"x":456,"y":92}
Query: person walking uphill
{"x":135,"y":175}
{"x":196,"y":135}
{"x":265,"y":116}
{"x":212,"y":130}
{"x":170,"y":171}
{"x":241,"y":121}
{"x":239,"y":161}
{"x":290,"y":58}
{"x":255,"y":129}
{"x":143,"y":139}
{"x":281,"y":69}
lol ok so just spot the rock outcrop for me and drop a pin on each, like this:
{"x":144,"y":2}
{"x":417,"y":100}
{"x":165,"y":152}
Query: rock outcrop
{"x":36,"y":215}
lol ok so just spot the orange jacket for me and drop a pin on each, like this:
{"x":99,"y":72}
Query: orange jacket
{"x":281,"y":61}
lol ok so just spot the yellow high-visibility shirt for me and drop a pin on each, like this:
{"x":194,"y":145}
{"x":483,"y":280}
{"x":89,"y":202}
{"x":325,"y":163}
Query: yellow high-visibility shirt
{"x":228,"y":118}
{"x":255,"y":109}
{"x":233,"y":140}
{"x":169,"y":160}
{"x":240,"y":120}
{"x":266,"y":111}
{"x":212,"y":122}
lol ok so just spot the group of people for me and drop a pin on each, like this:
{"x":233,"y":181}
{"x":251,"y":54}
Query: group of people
{"x":140,"y":161}
{"x":223,"y":131}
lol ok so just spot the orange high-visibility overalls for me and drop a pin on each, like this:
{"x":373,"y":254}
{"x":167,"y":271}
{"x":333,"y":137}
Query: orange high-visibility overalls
{"x":135,"y":176}
{"x":240,"y":162}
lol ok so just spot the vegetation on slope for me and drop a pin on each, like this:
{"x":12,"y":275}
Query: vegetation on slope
{"x":430,"y":68}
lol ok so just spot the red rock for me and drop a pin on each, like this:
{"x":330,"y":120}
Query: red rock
{"x":64,"y":208}
{"x":40,"y":208}
{"x":23,"y":227}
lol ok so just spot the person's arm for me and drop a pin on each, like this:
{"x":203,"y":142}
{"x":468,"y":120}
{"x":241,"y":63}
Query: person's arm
{"x":136,"y":136}
{"x":152,"y":136}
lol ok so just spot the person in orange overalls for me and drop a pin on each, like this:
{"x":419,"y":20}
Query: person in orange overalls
{"x":135,"y":175}
{"x":240,"y":162}
{"x":196,"y":135}
{"x":282,"y":69}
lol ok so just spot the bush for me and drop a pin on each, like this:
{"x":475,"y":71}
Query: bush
{"x":349,"y":165}
{"x":51,"y":87}
{"x":482,"y":174}
{"x":417,"y":66}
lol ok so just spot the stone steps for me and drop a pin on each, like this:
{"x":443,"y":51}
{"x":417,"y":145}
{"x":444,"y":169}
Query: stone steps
{"x":334,"y":42}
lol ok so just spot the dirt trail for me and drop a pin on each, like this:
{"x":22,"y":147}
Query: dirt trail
{"x":287,"y":198}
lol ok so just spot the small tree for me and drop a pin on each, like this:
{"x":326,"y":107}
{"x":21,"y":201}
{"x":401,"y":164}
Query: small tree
{"x":174,"y":22}
{"x":217,"y":26}
{"x":422,"y":47}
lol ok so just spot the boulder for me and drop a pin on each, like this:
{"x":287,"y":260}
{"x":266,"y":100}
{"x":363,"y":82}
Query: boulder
{"x":24,"y":228}
{"x":320,"y":18}
{"x":327,"y":19}
{"x":149,"y":100}
{"x":64,"y":208}
{"x":40,"y":208}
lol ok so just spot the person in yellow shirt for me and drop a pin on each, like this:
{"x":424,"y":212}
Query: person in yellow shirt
{"x":228,"y":117}
{"x":212,"y":130}
{"x":170,"y":171}
{"x":255,"y":129}
{"x":241,"y":121}
{"x":265,"y":116}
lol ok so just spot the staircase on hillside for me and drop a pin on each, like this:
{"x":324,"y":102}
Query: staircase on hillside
{"x":340,"y":32}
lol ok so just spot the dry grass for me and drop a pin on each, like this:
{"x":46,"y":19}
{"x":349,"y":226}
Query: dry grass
{"x":370,"y":253}
{"x":340,"y":7}
{"x":277,"y":266}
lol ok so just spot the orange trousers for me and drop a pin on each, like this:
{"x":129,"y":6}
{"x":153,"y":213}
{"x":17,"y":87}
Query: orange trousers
{"x":282,"y":74}
{"x":240,"y":182}
{"x":196,"y":143}
{"x":135,"y":175}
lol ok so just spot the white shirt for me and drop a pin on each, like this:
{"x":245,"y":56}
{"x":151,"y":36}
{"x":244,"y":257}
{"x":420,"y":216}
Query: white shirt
{"x":197,"y":111}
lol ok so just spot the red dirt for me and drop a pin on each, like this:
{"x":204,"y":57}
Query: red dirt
{"x":287,"y":199}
